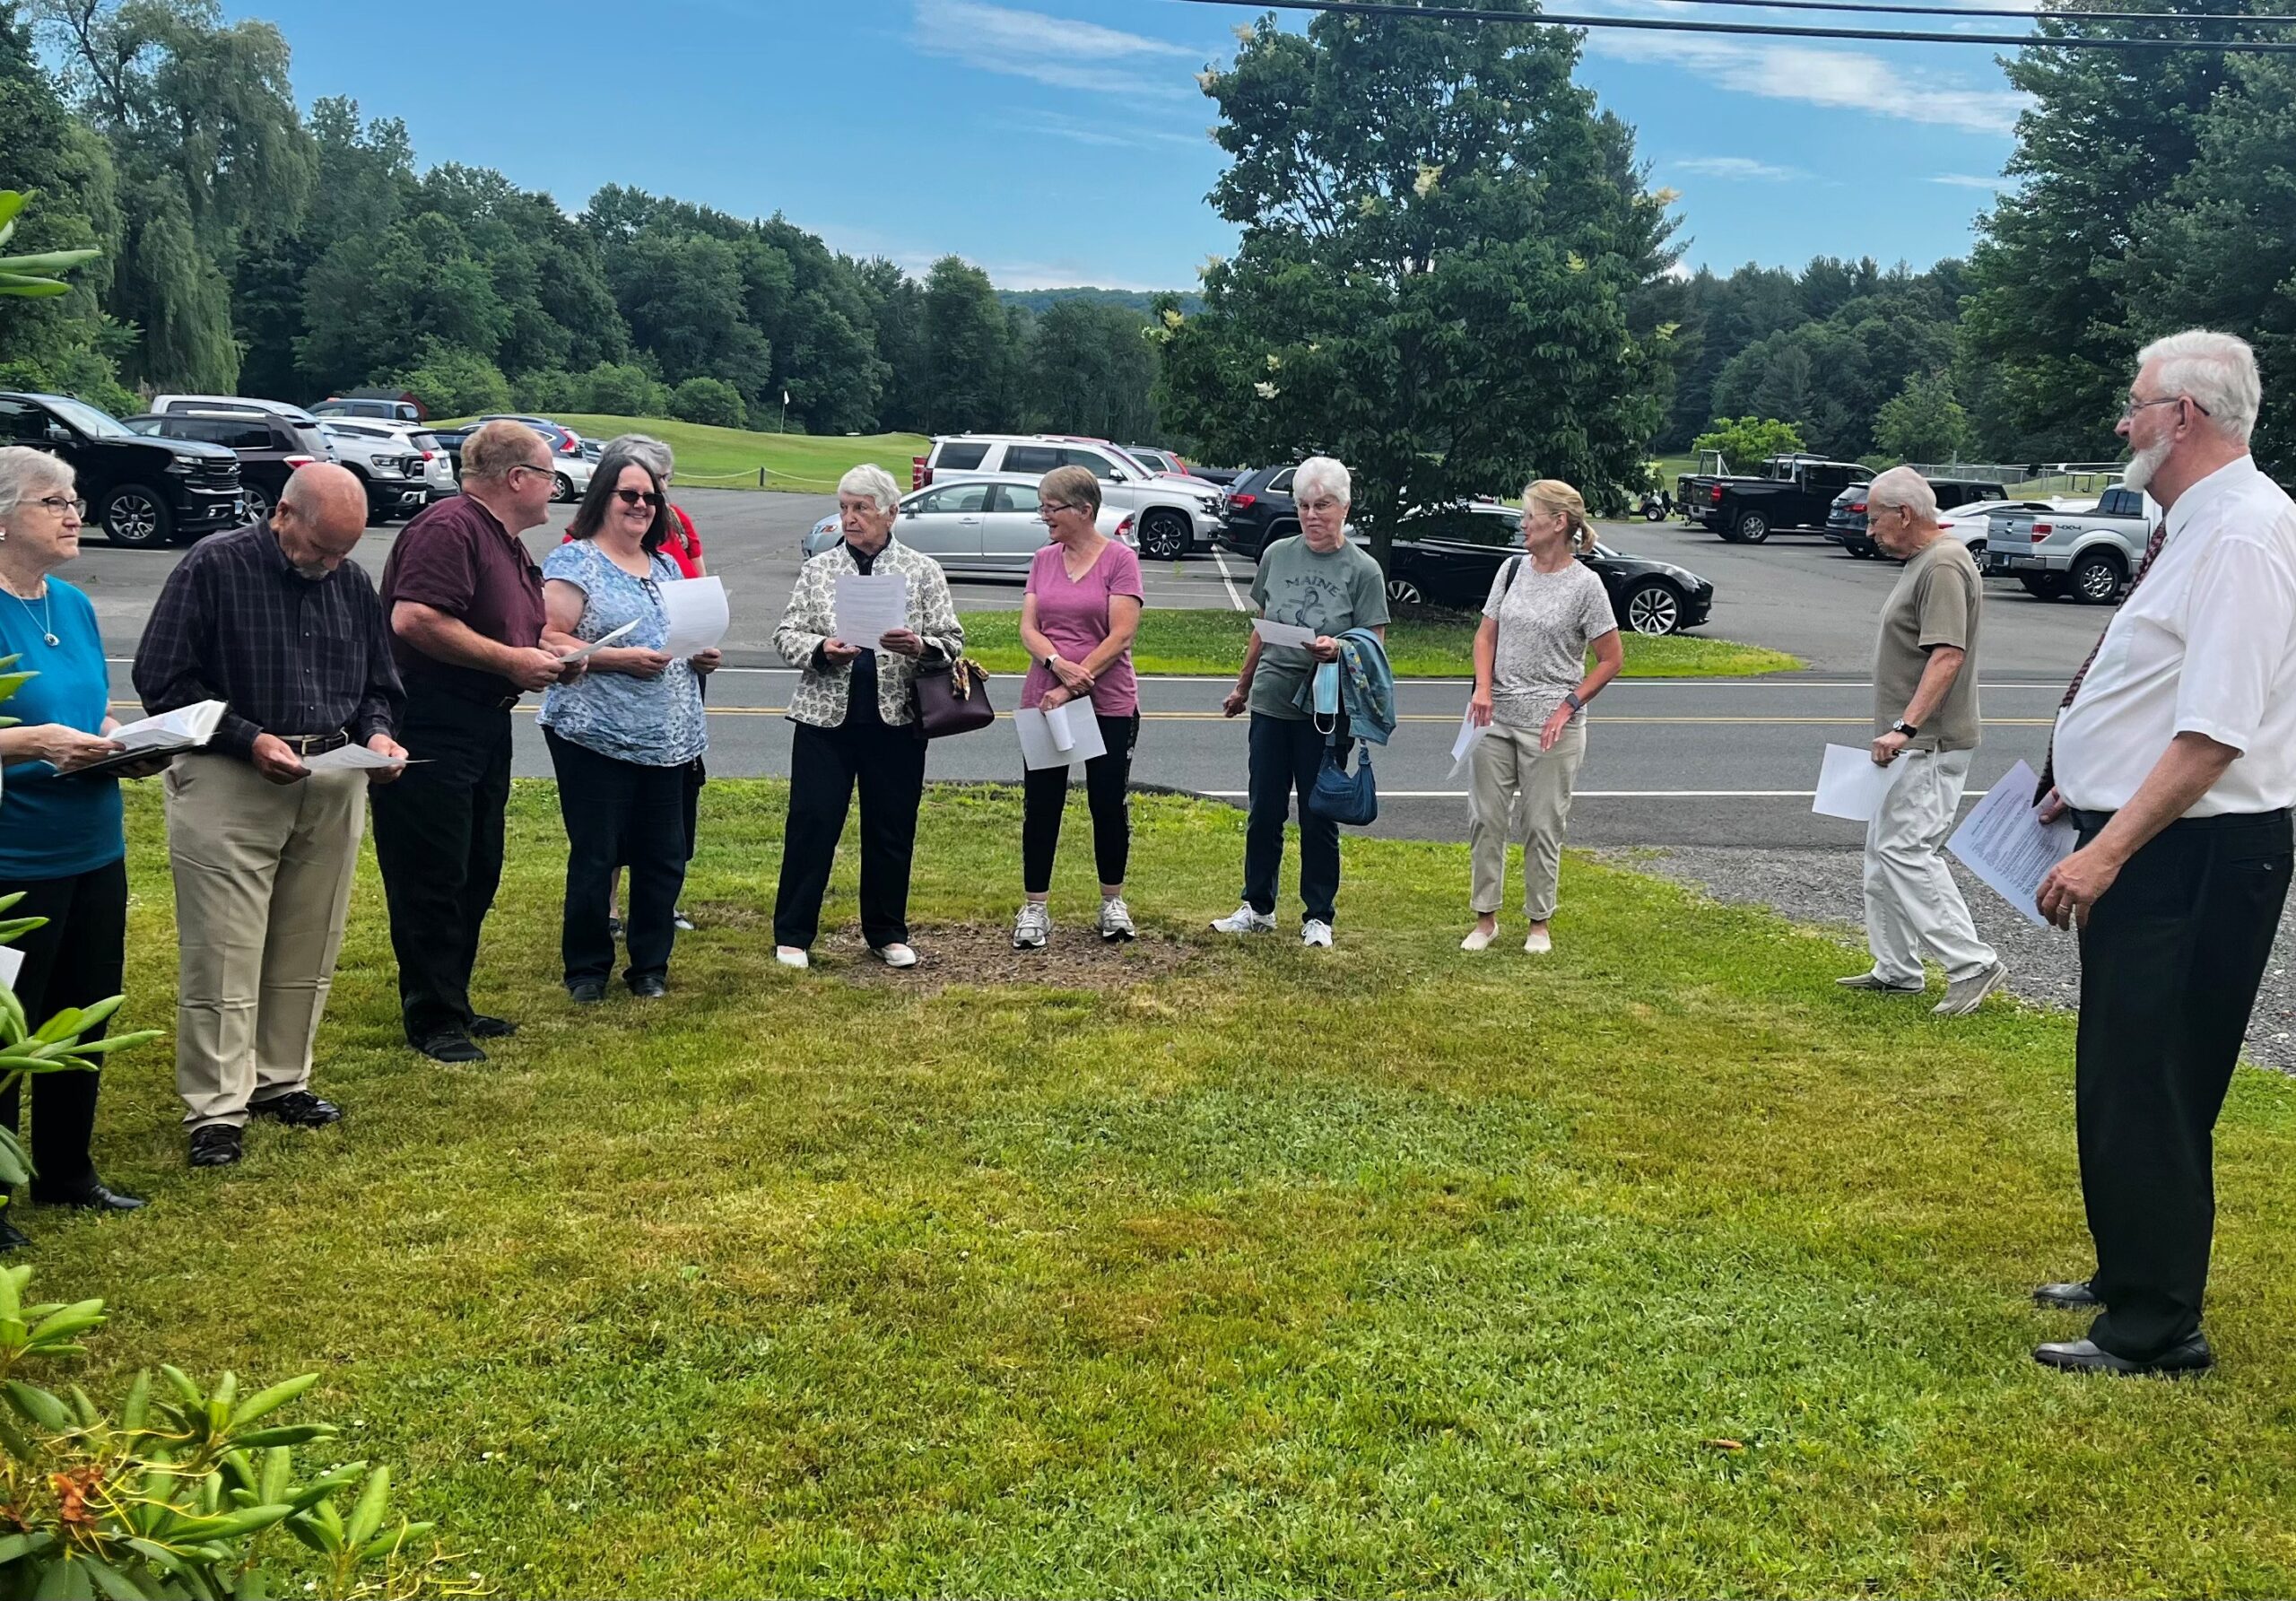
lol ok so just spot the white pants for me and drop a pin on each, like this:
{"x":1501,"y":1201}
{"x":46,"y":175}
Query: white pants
{"x":1911,"y":900}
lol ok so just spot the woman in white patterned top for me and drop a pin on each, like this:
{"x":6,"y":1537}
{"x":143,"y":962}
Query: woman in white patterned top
{"x":1547,"y":609}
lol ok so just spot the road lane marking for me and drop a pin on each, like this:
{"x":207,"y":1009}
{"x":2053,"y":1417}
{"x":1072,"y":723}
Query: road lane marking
{"x":1229,"y":579}
{"x":1387,"y":795}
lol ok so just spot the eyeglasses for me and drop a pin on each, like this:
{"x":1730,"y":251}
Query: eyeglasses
{"x":637,"y":496}
{"x":59,"y":505}
{"x":2128,"y":413}
{"x":527,"y":466}
{"x":1050,"y":507}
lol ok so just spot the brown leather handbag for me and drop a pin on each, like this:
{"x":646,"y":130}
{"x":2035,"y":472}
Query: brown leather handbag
{"x":951,"y":697}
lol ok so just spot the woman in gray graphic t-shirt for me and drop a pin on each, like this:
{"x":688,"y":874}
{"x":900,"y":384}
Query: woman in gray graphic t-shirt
{"x":1546,"y":610}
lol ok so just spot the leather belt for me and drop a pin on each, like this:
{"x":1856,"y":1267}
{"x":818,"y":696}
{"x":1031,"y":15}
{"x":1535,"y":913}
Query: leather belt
{"x":313,"y":744}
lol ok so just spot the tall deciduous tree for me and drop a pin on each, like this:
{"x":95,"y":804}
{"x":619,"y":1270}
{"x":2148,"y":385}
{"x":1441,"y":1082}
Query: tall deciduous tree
{"x":968,"y":350}
{"x":1922,"y":422}
{"x":1441,"y":238}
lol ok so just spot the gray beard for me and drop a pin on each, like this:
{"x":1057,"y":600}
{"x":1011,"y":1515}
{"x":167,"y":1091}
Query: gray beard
{"x":2144,"y":464}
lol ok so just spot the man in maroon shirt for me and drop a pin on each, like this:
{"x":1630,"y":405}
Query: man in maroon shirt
{"x":465,"y":603}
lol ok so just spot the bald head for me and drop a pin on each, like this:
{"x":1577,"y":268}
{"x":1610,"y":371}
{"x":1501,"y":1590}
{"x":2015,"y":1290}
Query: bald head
{"x":321,"y":514}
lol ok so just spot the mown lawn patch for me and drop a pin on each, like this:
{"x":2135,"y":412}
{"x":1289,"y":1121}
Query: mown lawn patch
{"x":1661,"y":1266}
{"x":729,"y":458}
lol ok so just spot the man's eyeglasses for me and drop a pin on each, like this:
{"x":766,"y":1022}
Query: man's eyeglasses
{"x":2128,"y":413}
{"x":59,"y":505}
{"x":637,"y":496}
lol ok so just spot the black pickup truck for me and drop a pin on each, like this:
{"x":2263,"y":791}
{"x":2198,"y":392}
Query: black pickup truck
{"x":1793,"y":492}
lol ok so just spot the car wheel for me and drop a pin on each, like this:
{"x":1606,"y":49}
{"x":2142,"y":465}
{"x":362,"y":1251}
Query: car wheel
{"x":135,"y":516}
{"x":2041,"y":586}
{"x":2095,"y":578}
{"x":1164,"y":535}
{"x":259,"y":503}
{"x":1653,"y":513}
{"x":1752,"y":528}
{"x":1653,"y":607}
{"x":1403,"y":592}
{"x":561,"y":488}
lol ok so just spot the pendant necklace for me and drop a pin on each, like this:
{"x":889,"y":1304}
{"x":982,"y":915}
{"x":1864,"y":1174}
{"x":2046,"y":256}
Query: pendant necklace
{"x":47,"y":614}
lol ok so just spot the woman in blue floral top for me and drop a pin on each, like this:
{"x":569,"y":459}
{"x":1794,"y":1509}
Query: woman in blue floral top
{"x":623,"y":735}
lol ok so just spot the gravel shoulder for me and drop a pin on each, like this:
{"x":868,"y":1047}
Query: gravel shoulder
{"x":1823,"y":886}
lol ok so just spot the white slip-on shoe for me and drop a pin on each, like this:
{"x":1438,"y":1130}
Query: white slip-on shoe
{"x":1963,"y":995}
{"x":1032,"y":927}
{"x":1244,"y":920}
{"x":1316,"y":934}
{"x":895,"y":954}
{"x":1478,"y":939}
{"x":1540,"y":943}
{"x":791,"y":956}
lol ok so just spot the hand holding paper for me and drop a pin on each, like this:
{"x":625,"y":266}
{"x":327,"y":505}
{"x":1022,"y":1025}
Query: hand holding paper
{"x":869,"y":608}
{"x":1850,"y":785}
{"x":596,"y":645}
{"x":2006,"y":843}
{"x":1272,"y":632}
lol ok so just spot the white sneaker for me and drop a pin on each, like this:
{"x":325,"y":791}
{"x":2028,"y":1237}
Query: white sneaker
{"x":1032,"y":927}
{"x":1244,"y":920}
{"x":791,"y":956}
{"x":1539,"y":943}
{"x":1478,"y":939}
{"x":1316,"y":934}
{"x":1116,"y":920}
{"x":895,"y":955}
{"x":1963,"y":995}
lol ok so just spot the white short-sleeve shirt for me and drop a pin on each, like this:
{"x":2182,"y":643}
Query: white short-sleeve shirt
{"x":2207,"y":644}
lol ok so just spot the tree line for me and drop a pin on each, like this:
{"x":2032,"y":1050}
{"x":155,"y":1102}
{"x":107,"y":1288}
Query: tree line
{"x":250,"y":248}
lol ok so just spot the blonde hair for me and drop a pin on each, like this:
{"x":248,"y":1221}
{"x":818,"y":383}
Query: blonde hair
{"x":497,"y":447}
{"x":1551,"y":494}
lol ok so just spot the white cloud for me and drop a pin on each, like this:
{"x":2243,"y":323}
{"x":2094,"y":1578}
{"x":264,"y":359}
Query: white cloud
{"x":1970,"y":180}
{"x":1844,"y":79}
{"x":1740,"y":167}
{"x":1120,"y":132}
{"x":1057,"y":51}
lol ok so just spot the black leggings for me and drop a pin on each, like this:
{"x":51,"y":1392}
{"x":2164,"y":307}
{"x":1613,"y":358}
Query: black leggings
{"x":75,"y":960}
{"x":1045,"y":794}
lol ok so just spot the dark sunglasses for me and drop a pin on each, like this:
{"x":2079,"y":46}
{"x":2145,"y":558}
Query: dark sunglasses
{"x":634,"y":497}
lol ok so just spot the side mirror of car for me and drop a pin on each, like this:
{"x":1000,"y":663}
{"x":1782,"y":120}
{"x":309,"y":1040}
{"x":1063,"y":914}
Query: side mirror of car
{"x":59,"y":434}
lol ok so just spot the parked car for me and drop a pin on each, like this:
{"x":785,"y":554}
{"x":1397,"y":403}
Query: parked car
{"x":376,"y":407}
{"x":1171,"y":463}
{"x":1846,"y":520}
{"x":1256,"y":510}
{"x":977,"y":524}
{"x":269,"y":444}
{"x":2088,"y":554}
{"x":450,"y":440}
{"x":574,"y":465}
{"x":1793,"y":492}
{"x":1448,"y":556}
{"x":143,"y":492}
{"x":399,"y":466}
{"x":1174,"y":516}
{"x":1972,"y":524}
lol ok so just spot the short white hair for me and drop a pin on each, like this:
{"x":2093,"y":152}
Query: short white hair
{"x":26,"y":474}
{"x":1903,"y":486}
{"x":1325,"y":472}
{"x":871,"y":480}
{"x":651,"y":453}
{"x":2217,"y":370}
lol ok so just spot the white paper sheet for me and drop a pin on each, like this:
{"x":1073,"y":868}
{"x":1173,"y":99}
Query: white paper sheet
{"x":1272,"y":632}
{"x":598,"y":644}
{"x":11,"y":963}
{"x":696,"y":614}
{"x":1056,"y":722}
{"x":1038,"y":748}
{"x":869,"y":608}
{"x":2004,"y":842}
{"x":1850,"y":785}
{"x":1471,"y":735}
{"x":180,"y":729}
{"x":349,"y":758}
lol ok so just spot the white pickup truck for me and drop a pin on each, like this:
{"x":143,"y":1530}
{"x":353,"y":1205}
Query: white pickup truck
{"x":2090,"y":554}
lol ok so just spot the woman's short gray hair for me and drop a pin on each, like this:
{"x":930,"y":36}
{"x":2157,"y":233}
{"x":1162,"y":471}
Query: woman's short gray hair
{"x":1903,"y":486}
{"x":2218,"y":370}
{"x":25,"y":473}
{"x":1327,"y":474}
{"x":651,"y":454}
{"x":871,"y":480}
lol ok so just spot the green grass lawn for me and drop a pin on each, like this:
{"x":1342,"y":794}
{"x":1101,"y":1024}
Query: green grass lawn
{"x":1659,"y":1266}
{"x":729,"y":458}
{"x":1423,"y":642}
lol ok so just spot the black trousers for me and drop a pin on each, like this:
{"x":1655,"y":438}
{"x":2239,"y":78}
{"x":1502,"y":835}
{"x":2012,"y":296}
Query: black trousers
{"x":439,"y":841}
{"x":619,"y":812}
{"x":75,"y":960}
{"x":1044,"y":795}
{"x":1286,"y":753}
{"x":825,"y":764}
{"x":2170,"y":964}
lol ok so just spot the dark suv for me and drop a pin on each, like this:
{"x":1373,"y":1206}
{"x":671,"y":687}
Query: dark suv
{"x":269,"y":446}
{"x":1256,"y":510}
{"x":141,"y":491}
{"x":1846,"y":518}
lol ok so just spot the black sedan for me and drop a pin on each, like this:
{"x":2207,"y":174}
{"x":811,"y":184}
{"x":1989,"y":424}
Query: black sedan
{"x":1449,"y":557}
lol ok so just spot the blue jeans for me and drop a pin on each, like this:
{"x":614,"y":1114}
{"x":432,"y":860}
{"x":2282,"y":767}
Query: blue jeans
{"x":1285,"y":755}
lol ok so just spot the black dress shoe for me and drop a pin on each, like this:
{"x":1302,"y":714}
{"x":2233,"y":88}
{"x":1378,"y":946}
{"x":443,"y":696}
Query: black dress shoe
{"x":217,"y":1145}
{"x":647,"y":987}
{"x":11,"y":1237}
{"x":2072,"y":1297}
{"x":484,"y":1026}
{"x":2086,"y":1356}
{"x":93,"y":1198}
{"x":296,"y":1109}
{"x":451,"y":1047}
{"x":587,"y":992}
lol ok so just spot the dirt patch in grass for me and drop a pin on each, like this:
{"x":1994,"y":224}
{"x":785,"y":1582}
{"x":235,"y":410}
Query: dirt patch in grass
{"x":979,"y":954}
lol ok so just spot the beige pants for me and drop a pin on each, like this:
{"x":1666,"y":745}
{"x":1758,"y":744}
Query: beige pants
{"x":1912,"y":903}
{"x":262,"y":879}
{"x":1520,"y":794}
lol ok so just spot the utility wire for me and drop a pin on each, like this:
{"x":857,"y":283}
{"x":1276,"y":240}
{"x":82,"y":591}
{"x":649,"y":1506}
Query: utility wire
{"x":2261,"y":19}
{"x":1462,"y":14}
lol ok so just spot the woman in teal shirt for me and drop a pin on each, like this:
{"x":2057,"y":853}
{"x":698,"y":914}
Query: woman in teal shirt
{"x":60,"y":843}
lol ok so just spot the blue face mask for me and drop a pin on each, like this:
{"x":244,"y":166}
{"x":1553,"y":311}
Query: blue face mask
{"x":1326,"y":686}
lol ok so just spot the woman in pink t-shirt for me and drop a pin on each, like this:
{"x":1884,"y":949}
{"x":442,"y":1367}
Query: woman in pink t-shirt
{"x":1078,"y":620}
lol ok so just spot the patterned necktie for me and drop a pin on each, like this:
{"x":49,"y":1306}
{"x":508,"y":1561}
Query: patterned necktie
{"x":2160,"y":536}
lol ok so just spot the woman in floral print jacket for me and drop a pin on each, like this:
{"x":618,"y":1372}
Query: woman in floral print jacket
{"x":853,"y":708}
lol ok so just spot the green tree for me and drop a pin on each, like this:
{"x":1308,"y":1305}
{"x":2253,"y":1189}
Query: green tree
{"x":1922,"y":422}
{"x":710,"y":400}
{"x":969,"y":355}
{"x":1747,"y":442}
{"x":896,"y":316}
{"x":682,"y":296}
{"x":452,"y":382}
{"x":374,"y":306}
{"x":1442,"y":245}
{"x":1089,"y":368}
{"x":620,"y":389}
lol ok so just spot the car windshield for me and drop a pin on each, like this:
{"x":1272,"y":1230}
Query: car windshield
{"x":88,"y":420}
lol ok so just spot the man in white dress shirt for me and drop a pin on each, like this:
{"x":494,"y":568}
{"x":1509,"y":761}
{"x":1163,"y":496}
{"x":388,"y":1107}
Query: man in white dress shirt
{"x":2176,"y":757}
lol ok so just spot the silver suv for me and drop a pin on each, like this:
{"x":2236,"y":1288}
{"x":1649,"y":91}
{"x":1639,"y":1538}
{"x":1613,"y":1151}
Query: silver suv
{"x":400,"y":466}
{"x":1171,"y":515}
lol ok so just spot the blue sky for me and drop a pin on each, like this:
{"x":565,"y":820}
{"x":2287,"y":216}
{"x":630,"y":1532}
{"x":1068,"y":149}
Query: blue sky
{"x":1062,"y":141}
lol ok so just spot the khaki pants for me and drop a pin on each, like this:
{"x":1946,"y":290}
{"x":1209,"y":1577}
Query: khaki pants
{"x":1517,"y":792}
{"x":263,"y":878}
{"x":1911,"y":902}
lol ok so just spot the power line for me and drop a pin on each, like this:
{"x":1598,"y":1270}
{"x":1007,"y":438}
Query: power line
{"x":2264,"y":19}
{"x":1462,"y":14}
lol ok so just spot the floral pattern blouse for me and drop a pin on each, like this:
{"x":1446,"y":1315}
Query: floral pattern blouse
{"x":654,"y":722}
{"x":822,"y":691}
